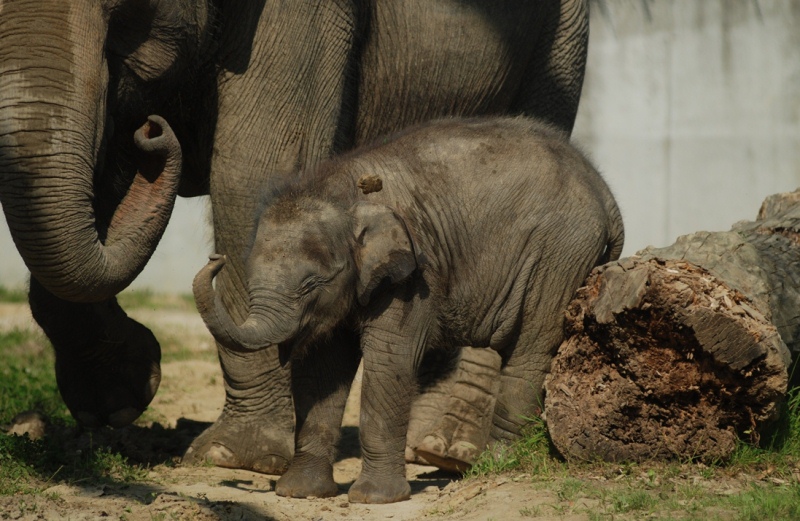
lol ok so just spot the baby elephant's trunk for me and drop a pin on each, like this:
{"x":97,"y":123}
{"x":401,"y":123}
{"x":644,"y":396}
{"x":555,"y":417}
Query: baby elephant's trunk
{"x":252,"y":335}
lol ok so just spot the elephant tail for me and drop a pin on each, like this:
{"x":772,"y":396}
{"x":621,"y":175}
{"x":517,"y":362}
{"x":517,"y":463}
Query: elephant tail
{"x":616,"y":233}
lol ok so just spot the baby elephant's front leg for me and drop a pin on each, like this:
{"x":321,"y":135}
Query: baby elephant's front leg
{"x":320,"y":384}
{"x":386,"y":394}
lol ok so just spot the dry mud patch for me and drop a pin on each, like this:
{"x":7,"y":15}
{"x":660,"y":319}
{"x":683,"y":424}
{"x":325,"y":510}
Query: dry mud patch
{"x":191,"y":396}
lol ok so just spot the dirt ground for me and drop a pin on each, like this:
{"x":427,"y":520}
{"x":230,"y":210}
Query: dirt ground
{"x":190,"y":397}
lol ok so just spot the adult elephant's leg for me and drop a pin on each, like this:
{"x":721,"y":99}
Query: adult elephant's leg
{"x":237,"y":439}
{"x":256,"y":428}
{"x":551,"y":86}
{"x":284,"y":82}
{"x":463,"y":417}
{"x":436,"y":378}
{"x":107,"y":365}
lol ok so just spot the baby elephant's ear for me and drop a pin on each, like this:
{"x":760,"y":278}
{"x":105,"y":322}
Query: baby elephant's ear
{"x":384,"y":246}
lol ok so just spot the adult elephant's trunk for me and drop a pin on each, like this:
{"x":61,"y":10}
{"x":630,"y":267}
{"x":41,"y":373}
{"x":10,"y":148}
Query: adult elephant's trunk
{"x":255,"y":333}
{"x":53,"y":87}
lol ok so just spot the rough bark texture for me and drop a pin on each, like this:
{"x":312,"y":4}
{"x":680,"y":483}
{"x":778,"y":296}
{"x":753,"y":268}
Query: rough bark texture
{"x":676,"y":351}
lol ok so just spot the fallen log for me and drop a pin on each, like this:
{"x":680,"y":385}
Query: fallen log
{"x":675,"y":352}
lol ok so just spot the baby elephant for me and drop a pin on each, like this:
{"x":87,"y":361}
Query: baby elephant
{"x":455,"y":233}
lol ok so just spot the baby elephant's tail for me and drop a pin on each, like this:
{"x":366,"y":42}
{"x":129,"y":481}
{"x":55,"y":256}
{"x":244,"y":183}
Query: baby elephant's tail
{"x":616,"y":234}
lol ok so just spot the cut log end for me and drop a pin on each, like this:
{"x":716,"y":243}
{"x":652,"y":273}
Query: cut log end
{"x":662,"y":360}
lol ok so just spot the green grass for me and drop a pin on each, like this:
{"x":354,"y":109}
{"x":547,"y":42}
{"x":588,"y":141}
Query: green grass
{"x":128,"y":299}
{"x":27,"y":382}
{"x":760,"y":482}
{"x":13,"y":295}
{"x":532,"y":454}
{"x":27,"y":376}
{"x":780,"y":445}
{"x":767,"y":504}
{"x":633,"y":501}
{"x":137,"y":298}
{"x":28,"y":466}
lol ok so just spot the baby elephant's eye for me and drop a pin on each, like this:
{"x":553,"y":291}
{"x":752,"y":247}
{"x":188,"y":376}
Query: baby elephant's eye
{"x":311,"y":283}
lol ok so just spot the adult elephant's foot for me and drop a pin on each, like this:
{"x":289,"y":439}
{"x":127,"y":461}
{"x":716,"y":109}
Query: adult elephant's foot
{"x":107,"y":364}
{"x":425,"y":413}
{"x":113,"y":379}
{"x":461,"y":431}
{"x":242,"y":443}
{"x":436,"y":382}
{"x":307,"y":477}
{"x":256,"y":428}
{"x":378,"y":488}
{"x":457,"y":457}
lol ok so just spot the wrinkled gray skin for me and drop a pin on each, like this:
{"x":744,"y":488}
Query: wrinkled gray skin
{"x":480,"y":235}
{"x":281,"y":85}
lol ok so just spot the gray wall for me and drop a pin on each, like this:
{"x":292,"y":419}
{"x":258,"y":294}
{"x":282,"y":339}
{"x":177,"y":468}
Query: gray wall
{"x":691,"y":109}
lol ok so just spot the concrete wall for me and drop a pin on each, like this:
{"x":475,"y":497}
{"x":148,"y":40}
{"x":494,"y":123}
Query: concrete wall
{"x":691,"y":108}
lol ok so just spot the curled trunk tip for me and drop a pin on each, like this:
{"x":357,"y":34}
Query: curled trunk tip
{"x":252,"y":335}
{"x":150,"y":136}
{"x":59,"y":239}
{"x":202,"y":285}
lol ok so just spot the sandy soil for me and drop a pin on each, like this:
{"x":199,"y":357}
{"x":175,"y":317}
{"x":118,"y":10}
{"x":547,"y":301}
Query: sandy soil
{"x":191,"y":397}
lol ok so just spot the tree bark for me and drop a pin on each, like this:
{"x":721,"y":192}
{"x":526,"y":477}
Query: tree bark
{"x":677,"y":351}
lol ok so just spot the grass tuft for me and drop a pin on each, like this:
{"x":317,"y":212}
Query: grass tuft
{"x":780,"y":446}
{"x":633,"y":501}
{"x":16,"y":476}
{"x":27,"y":376}
{"x":767,"y":504}
{"x":532,"y":453}
{"x":31,"y":466}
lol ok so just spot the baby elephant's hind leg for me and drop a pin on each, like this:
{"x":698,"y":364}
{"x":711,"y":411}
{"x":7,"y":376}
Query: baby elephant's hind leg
{"x":522,"y":380}
{"x":541,"y":331}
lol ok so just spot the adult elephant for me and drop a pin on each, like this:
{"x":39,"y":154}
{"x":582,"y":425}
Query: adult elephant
{"x":246,"y":94}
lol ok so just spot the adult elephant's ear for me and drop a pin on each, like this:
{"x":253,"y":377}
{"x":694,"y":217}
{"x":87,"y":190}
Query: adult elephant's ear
{"x":385,"y":250}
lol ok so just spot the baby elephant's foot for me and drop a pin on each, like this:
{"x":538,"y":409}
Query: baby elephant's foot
{"x":379,"y":489}
{"x":308,"y":480}
{"x":457,"y":457}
